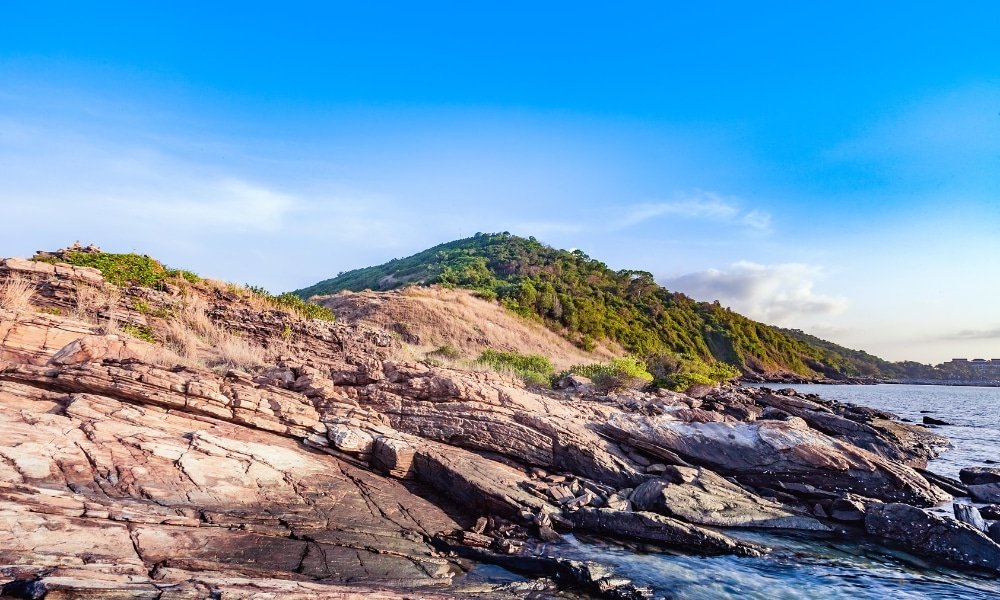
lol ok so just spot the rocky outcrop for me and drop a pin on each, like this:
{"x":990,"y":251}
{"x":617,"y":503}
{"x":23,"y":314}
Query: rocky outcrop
{"x":763,"y":452}
{"x":126,"y":470}
{"x":115,"y":490}
{"x":650,"y":527}
{"x":878,"y":432}
{"x":697,"y":495}
{"x":930,"y":535}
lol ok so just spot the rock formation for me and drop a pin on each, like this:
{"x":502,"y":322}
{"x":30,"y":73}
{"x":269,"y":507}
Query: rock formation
{"x":329,"y":464}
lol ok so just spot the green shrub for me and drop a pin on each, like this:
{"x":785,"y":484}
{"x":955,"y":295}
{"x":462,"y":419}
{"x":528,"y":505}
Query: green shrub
{"x":534,"y":369}
{"x":447,"y":351}
{"x":295,"y":303}
{"x":124,"y":269}
{"x":142,"y":332}
{"x":627,"y":372}
{"x":306,"y":309}
{"x":691,"y":371}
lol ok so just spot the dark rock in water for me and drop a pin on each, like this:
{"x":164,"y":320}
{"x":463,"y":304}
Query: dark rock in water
{"x":968,"y":513}
{"x":994,"y":532}
{"x":598,"y":579}
{"x":848,"y":509}
{"x":987,"y":492}
{"x":940,"y":538}
{"x":932,"y":421}
{"x":952,"y":486}
{"x":990,"y":511}
{"x":979,"y":475}
{"x":651,"y":527}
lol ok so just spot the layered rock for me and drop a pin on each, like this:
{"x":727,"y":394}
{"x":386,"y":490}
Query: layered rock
{"x":697,"y":495}
{"x":931,"y":535}
{"x":763,"y":452}
{"x":124,"y":471}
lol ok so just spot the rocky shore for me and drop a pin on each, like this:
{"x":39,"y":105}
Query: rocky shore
{"x":332,"y":465}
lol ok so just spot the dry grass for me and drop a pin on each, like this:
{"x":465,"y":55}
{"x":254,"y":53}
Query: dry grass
{"x":181,"y":340}
{"x":234,"y":352}
{"x":194,"y":313}
{"x":16,"y":293}
{"x":89,"y":301}
{"x":429,"y":318}
{"x":193,"y":336}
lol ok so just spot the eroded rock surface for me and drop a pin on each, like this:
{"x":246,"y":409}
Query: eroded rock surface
{"x":124,"y":472}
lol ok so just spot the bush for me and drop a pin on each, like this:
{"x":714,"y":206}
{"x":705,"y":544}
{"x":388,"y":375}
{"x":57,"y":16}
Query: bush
{"x":691,"y":371}
{"x":627,"y":372}
{"x":142,"y":332}
{"x":534,"y":369}
{"x":124,"y":269}
{"x":288,"y":300}
{"x":447,"y":351}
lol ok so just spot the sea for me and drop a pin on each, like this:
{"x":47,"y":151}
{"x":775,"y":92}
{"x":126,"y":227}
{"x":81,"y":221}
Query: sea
{"x":807,"y":566}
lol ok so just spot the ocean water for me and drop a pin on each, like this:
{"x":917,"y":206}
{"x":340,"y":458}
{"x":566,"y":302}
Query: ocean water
{"x":973,"y":414}
{"x":824,"y":568}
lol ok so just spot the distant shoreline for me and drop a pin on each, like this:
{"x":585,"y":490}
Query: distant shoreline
{"x":804,"y":381}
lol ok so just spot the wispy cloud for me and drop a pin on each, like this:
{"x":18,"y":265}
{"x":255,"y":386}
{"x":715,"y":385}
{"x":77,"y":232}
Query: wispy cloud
{"x":700,"y":205}
{"x":973,"y":334}
{"x":779,"y":294}
{"x":227,"y":202}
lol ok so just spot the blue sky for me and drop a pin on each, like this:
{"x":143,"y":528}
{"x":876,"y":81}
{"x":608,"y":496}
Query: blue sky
{"x":832,"y":167}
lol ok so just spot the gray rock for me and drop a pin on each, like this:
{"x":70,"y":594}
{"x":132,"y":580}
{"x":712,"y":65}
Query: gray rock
{"x":987,"y":492}
{"x":847,"y":509}
{"x":708,"y":499}
{"x":967,"y":513}
{"x":764,"y":453}
{"x":650,"y":527}
{"x":979,"y":475}
{"x":575,"y":382}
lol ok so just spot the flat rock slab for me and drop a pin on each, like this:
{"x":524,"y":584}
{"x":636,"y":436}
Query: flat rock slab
{"x":705,"y":498}
{"x":979,"y":475}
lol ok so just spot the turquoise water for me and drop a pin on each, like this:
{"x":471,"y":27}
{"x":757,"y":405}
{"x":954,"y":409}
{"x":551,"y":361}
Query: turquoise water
{"x":816,"y":568}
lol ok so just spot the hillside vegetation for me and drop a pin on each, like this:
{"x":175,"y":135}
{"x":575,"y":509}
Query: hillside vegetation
{"x":587,"y":302}
{"x":429,"y":318}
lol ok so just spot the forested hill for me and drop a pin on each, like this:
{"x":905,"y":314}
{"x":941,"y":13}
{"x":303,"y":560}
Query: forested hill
{"x":586,"y":301}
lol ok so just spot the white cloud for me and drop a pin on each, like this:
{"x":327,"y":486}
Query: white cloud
{"x":779,"y":294}
{"x":227,"y":202}
{"x":702,"y":205}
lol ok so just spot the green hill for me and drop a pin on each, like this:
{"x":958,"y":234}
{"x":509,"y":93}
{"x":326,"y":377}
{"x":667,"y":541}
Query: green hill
{"x":586,"y":301}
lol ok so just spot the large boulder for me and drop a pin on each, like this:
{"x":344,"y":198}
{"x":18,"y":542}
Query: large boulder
{"x":910,"y":444}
